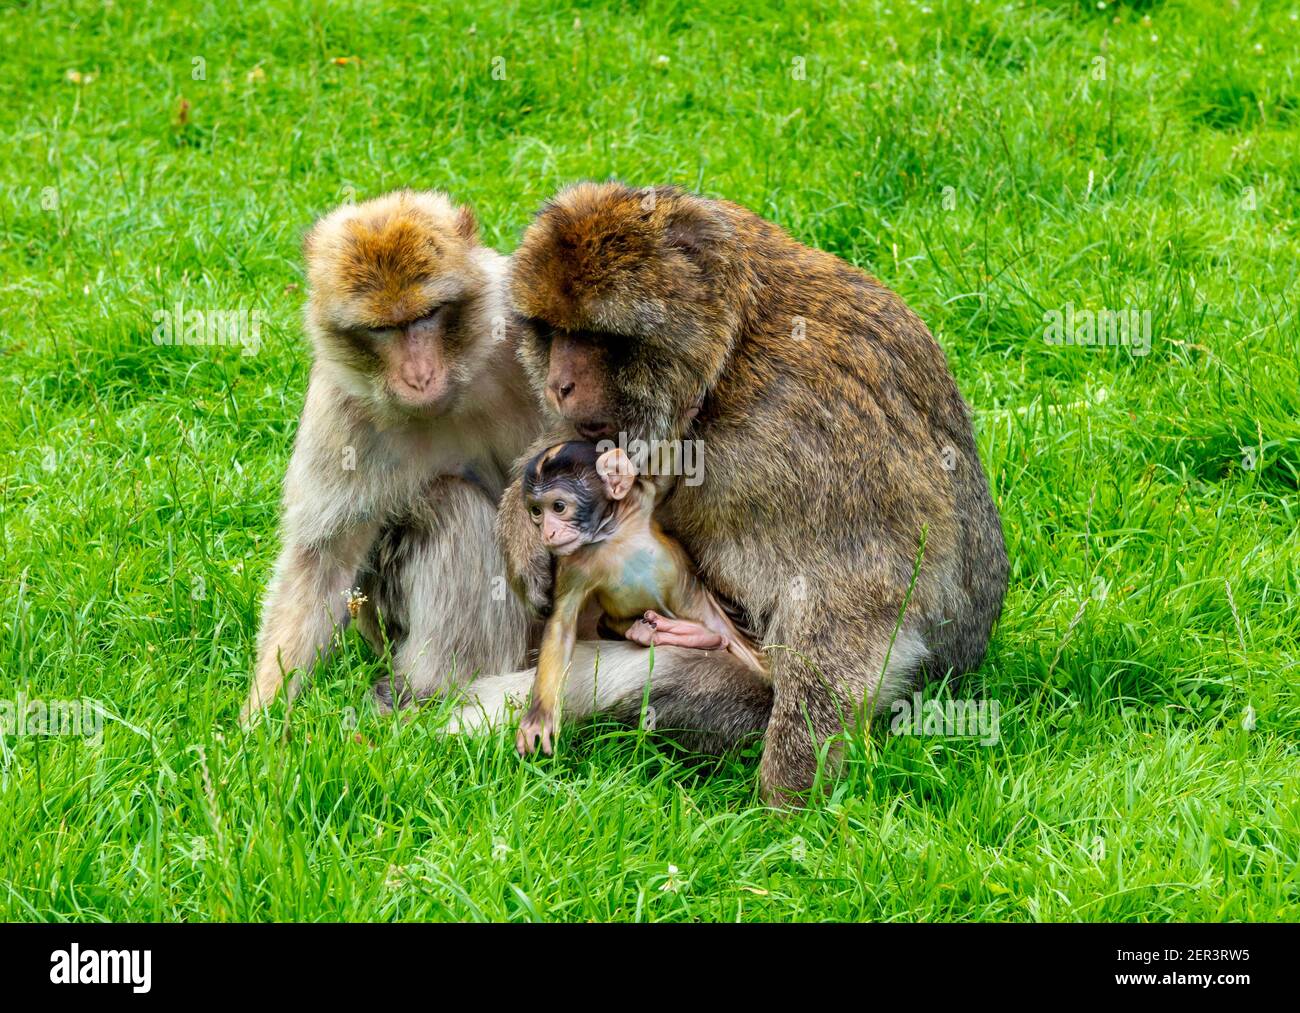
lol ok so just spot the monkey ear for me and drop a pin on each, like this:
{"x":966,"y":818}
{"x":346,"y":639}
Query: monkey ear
{"x":466,"y":225}
{"x":697,"y":228}
{"x":617,"y":473}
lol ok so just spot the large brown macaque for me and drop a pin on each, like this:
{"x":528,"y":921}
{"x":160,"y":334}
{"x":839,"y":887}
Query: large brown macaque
{"x":834,"y":443}
{"x":416,"y":411}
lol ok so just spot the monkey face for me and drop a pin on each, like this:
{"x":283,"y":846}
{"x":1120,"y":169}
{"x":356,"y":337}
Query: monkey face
{"x":555,"y":512}
{"x":568,"y":490}
{"x":607,"y":384}
{"x":577,"y":385}
{"x":414,"y":361}
{"x":391,"y":282}
{"x":631,"y":307}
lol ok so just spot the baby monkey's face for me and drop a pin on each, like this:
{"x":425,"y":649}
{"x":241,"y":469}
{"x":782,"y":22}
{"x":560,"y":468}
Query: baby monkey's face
{"x":567,"y":513}
{"x":569,"y":491}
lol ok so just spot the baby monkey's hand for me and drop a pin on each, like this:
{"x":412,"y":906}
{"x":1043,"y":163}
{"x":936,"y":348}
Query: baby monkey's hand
{"x":537,"y":723}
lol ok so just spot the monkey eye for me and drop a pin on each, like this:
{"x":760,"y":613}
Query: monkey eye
{"x":558,"y":506}
{"x":544,"y":331}
{"x":536,"y":511}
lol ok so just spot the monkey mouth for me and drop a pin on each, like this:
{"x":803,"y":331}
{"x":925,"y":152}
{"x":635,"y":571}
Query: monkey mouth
{"x":422,"y":406}
{"x":564,"y":548}
{"x":593,"y":429}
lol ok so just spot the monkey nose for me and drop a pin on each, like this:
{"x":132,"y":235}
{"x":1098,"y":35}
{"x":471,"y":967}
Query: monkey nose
{"x":417,"y":380}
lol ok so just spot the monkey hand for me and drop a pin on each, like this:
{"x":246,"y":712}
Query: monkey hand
{"x":534,"y":583}
{"x":537,"y":724}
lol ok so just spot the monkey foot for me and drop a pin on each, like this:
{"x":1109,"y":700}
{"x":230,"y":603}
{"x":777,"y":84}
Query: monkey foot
{"x":652,"y":628}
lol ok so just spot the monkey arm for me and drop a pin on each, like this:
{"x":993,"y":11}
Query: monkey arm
{"x":326,"y":537}
{"x":553,"y":662}
{"x":304,"y":605}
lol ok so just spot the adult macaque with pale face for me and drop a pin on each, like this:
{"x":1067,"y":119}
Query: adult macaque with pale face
{"x":416,"y":410}
{"x":835,"y":443}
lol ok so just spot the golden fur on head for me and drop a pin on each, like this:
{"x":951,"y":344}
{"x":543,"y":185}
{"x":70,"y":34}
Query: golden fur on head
{"x":608,"y":258}
{"x":375,"y":267}
{"x":387,"y":261}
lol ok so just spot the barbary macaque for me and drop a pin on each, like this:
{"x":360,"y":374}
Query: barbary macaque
{"x":415,"y":413}
{"x":595,"y":516}
{"x":836,"y":445}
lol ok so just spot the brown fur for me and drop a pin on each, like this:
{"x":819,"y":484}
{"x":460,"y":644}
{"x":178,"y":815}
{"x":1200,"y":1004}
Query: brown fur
{"x":824,"y":453}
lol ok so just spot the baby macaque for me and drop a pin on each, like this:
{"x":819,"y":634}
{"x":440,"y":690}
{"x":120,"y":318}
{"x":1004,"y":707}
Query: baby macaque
{"x":595,"y":514}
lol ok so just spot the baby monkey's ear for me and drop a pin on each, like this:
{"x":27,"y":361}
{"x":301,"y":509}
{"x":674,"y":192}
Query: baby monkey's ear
{"x":617,"y":473}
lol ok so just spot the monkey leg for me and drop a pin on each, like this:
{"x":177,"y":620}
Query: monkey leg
{"x":439,"y":598}
{"x":833,"y":671}
{"x":660,"y":631}
{"x":710,"y":702}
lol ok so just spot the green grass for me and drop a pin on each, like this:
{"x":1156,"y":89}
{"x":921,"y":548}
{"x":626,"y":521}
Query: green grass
{"x":1154,"y":576}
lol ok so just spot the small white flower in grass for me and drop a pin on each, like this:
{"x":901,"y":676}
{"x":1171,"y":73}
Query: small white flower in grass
{"x":355,"y":599}
{"x":662,"y":60}
{"x":1248,"y":718}
{"x":671,"y":884}
{"x":500,"y":849}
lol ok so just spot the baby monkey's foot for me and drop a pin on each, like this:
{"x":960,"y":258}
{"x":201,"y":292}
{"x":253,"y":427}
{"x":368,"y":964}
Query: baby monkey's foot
{"x":536,"y":724}
{"x":652,"y":628}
